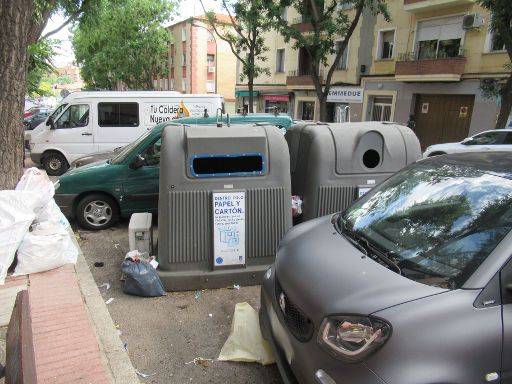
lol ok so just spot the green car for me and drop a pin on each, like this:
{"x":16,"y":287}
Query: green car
{"x":97,"y":194}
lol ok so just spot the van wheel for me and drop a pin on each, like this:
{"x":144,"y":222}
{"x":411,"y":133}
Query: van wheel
{"x":97,"y":211}
{"x":55,"y":163}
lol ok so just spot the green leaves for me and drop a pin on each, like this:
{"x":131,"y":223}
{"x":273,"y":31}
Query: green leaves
{"x":126,"y":43}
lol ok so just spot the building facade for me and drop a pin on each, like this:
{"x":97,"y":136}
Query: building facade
{"x":426,"y":64}
{"x":199,"y":61}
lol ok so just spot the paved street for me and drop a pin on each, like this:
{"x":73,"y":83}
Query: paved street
{"x":164,"y":335}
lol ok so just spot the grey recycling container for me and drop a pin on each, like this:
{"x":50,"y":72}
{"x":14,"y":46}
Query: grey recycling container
{"x":224,"y":204}
{"x":334,"y":164}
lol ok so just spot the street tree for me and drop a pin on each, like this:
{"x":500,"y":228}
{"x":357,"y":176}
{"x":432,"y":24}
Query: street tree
{"x":40,"y":65}
{"x":23,"y":22}
{"x":501,"y":27}
{"x":126,"y":43}
{"x":244,"y":33}
{"x":328,"y":20}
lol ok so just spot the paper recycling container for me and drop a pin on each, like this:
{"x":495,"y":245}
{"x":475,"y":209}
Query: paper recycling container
{"x":140,"y":232}
{"x":224,"y":205}
{"x":334,"y":164}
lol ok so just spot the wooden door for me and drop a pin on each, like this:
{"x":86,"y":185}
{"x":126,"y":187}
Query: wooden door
{"x":442,"y":118}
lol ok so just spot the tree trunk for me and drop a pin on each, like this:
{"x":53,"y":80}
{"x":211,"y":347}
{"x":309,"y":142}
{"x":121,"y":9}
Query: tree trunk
{"x":323,"y":109}
{"x":250,"y":86}
{"x":16,"y":19}
{"x":506,"y":104}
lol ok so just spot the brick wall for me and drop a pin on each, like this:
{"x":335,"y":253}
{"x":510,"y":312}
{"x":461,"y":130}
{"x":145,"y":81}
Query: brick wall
{"x":453,"y":65}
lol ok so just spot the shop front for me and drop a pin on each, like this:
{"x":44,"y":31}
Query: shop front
{"x":276,"y":103}
{"x":344,"y":104}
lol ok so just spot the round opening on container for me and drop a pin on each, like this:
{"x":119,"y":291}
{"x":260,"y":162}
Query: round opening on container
{"x":371,"y":158}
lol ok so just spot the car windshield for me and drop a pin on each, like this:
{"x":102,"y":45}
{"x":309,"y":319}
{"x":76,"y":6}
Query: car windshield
{"x":433,"y":225}
{"x":125,"y":151}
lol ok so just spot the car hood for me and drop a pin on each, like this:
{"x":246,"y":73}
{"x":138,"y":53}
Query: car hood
{"x":323,"y":273}
{"x":446,"y":147}
{"x":95,"y":157}
{"x":96,"y":166}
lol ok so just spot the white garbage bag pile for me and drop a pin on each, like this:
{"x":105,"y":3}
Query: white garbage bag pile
{"x":32,"y":224}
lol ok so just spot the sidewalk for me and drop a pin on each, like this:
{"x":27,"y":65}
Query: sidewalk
{"x":74,"y":337}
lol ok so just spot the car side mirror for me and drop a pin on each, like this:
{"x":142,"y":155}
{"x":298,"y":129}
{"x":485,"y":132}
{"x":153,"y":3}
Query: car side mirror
{"x":50,"y":122}
{"x":137,"y":162}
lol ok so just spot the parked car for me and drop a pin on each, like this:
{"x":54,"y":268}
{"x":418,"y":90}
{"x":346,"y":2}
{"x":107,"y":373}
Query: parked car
{"x":98,"y":193}
{"x":35,"y":109}
{"x":411,"y":284}
{"x":282,"y":121}
{"x":35,"y":119}
{"x":494,"y":140}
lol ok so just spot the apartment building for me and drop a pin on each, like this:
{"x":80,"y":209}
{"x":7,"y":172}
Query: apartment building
{"x":290,"y":89}
{"x":199,"y":61}
{"x":428,"y":63}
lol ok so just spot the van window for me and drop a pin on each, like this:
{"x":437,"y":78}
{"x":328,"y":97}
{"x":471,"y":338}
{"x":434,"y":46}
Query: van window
{"x":118,"y":114}
{"x":227,"y":165}
{"x":75,"y":116}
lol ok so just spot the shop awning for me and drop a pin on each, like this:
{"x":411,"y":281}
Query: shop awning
{"x":245,"y":93}
{"x":276,"y":97}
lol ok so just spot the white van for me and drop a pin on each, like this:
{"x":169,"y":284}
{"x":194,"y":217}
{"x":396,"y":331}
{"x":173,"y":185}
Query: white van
{"x":88,"y":122}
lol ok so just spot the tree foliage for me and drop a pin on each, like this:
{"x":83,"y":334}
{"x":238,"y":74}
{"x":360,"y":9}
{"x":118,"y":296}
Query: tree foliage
{"x":39,"y":65}
{"x":500,"y":24}
{"x":330,"y":21}
{"x":245,"y":36}
{"x":125,"y":43}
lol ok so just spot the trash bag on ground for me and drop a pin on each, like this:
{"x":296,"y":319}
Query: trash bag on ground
{"x":17,"y":211}
{"x":35,"y":180}
{"x":42,"y":252}
{"x":245,"y":342}
{"x":141,"y":278}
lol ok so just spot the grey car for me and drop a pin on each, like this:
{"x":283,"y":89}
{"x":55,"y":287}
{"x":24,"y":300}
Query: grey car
{"x":412,"y":284}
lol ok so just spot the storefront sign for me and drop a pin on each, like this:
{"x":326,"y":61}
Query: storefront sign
{"x":228,"y":228}
{"x":345,"y":95}
{"x":276,"y":97}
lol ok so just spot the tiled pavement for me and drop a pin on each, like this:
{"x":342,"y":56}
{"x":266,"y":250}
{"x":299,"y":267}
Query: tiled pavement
{"x":74,"y":338}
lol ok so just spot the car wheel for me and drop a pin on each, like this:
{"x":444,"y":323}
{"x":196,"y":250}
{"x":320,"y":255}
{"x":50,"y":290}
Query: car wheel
{"x":55,"y":163}
{"x":97,"y":211}
{"x":436,"y":154}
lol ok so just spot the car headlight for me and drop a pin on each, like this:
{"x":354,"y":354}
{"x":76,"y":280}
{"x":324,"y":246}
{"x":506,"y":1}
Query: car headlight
{"x":352,"y":338}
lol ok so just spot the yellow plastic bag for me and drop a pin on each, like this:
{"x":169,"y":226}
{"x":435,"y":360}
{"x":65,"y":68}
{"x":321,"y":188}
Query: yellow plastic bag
{"x":245,"y":342}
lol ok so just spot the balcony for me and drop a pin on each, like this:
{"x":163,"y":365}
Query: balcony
{"x":432,"y":5}
{"x":302,"y":23}
{"x":300,"y":78}
{"x":436,"y":68}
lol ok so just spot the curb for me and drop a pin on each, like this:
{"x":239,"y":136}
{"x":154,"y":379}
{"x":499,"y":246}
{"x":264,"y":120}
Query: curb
{"x":115,"y":358}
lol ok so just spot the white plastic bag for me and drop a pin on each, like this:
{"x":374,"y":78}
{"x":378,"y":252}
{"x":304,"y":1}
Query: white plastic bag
{"x":35,"y":180}
{"x":39,"y":253}
{"x":51,"y":213}
{"x":245,"y":342}
{"x":16,"y":214}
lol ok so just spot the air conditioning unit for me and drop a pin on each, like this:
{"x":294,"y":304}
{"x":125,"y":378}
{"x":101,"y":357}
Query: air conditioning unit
{"x":211,"y":69}
{"x":473,"y":20}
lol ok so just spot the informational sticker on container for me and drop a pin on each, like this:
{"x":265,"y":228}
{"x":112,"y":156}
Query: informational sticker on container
{"x":228,"y":228}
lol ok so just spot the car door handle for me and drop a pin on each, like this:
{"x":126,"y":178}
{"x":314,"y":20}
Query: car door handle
{"x":86,"y":134}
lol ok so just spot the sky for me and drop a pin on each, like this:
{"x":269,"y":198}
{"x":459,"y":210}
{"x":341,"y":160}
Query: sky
{"x":186,"y":9}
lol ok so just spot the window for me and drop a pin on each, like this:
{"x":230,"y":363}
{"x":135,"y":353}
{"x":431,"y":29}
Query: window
{"x":508,"y":139}
{"x":151,"y":154}
{"x":344,"y":5}
{"x":210,"y":59}
{"x":210,"y":85}
{"x":386,"y":44}
{"x":228,"y":164}
{"x":342,"y":64}
{"x":172,"y":85}
{"x":210,"y":36}
{"x":73,"y":117}
{"x":183,"y":34}
{"x":280,"y":60}
{"x":118,"y":114}
{"x":171,"y":61}
{"x":381,"y":110}
{"x":494,"y":42}
{"x":439,"y":38}
{"x":184,"y":85}
{"x":485,"y":138}
{"x":307,"y":110}
{"x":183,"y":59}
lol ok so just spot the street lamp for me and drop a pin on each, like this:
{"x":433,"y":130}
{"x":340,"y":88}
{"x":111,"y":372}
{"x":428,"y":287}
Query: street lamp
{"x":216,"y":58}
